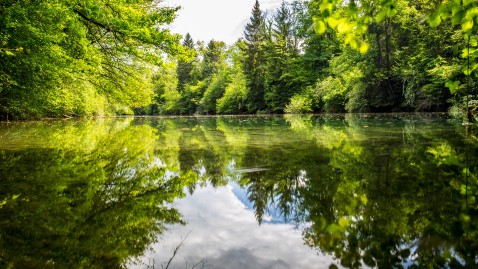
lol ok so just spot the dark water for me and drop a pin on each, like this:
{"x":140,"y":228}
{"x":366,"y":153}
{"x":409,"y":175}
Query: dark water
{"x":382,"y":191}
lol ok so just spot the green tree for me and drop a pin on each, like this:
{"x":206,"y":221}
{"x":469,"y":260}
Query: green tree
{"x":167,"y":91}
{"x":213,"y":58}
{"x":96,"y":196}
{"x":355,"y":22}
{"x":283,"y":73}
{"x":233,"y":99}
{"x":254,"y":60}
{"x":51,"y":50}
{"x":185,"y":66}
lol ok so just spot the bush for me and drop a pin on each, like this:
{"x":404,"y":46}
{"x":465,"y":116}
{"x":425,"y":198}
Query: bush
{"x":299,"y":104}
{"x":232,"y":102}
{"x":332,"y":92}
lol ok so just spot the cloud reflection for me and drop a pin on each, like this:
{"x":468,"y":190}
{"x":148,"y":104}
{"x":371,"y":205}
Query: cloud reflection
{"x":223,"y":233}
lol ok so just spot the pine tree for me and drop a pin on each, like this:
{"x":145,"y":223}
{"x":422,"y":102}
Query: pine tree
{"x":281,"y":79}
{"x":184,"y":68}
{"x":254,"y":60}
{"x":212,"y":58}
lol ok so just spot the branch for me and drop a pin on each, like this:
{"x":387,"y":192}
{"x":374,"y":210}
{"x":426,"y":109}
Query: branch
{"x":176,"y":251}
{"x":86,"y":18}
{"x":201,"y":262}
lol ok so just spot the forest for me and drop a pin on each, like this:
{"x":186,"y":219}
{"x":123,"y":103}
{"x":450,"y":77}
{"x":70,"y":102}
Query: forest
{"x":65,"y":58}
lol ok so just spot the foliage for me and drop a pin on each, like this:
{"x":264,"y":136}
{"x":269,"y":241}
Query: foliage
{"x":166,"y":88}
{"x":50,"y":50}
{"x":299,"y":104}
{"x":370,"y":190}
{"x":96,"y":58}
{"x":94,"y":196}
{"x":213,"y":92}
{"x":254,"y":61}
{"x":383,"y":27}
{"x":232,"y":102}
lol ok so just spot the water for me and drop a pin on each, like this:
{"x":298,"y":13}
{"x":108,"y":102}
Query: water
{"x":351,"y":191}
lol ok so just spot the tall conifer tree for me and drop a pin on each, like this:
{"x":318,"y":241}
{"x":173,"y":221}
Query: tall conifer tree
{"x":254,"y":60}
{"x":185,"y":67}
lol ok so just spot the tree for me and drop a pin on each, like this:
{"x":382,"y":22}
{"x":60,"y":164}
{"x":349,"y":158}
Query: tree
{"x":213,"y":58}
{"x":87,"y":204}
{"x":254,"y":60}
{"x":185,"y":66}
{"x":51,"y":50}
{"x":356,"y":19}
{"x":283,"y":73}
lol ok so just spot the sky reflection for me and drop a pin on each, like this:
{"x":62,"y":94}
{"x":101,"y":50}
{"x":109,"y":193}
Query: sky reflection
{"x":222,"y":232}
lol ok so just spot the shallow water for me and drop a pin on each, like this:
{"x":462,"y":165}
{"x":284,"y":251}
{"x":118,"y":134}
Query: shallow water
{"x":395,"y":190}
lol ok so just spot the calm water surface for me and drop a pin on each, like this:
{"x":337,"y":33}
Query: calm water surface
{"x":351,"y":191}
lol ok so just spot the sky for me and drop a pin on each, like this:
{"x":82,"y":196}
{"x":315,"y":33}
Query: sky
{"x":221,"y":20}
{"x":223,"y":232}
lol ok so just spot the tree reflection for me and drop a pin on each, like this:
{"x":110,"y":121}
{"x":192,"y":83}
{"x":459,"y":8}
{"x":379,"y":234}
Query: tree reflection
{"x":371,"y":191}
{"x":394,"y":203}
{"x":89,"y":207}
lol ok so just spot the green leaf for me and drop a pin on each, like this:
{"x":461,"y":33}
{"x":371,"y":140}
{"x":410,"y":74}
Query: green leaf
{"x":466,"y":52}
{"x":391,"y":11}
{"x":457,"y":17}
{"x":381,"y":15}
{"x":343,"y":222}
{"x":319,"y":27}
{"x":452,"y":85}
{"x":332,"y":22}
{"x":363,"y":47}
{"x":468,"y":70}
{"x":471,"y":13}
{"x":368,"y":260}
{"x":467,"y":25}
{"x":434,"y":19}
{"x":344,"y":27}
{"x":473,"y":42}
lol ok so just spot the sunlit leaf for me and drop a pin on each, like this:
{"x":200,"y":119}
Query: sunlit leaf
{"x":344,"y":27}
{"x":467,"y":25}
{"x":471,"y":13}
{"x":467,"y":2}
{"x":353,"y":42}
{"x":364,"y":199}
{"x":465,"y":52}
{"x":473,"y":42}
{"x":319,"y":27}
{"x":363,"y":47}
{"x":452,"y":85}
{"x":381,"y":15}
{"x":343,"y":222}
{"x":434,"y":19}
{"x":332,"y":22}
{"x":326,"y":7}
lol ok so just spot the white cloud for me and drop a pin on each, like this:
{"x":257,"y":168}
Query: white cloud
{"x":215,"y":19}
{"x":223,"y":233}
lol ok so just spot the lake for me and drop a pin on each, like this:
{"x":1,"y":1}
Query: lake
{"x":314,"y":191}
